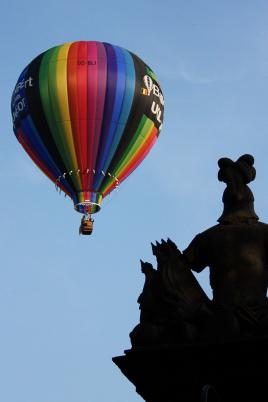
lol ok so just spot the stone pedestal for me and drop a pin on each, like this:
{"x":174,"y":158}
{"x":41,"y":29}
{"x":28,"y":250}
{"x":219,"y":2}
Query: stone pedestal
{"x":224,"y":372}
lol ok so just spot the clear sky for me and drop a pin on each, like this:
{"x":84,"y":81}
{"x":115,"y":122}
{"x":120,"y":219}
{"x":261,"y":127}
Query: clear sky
{"x":68,"y":303}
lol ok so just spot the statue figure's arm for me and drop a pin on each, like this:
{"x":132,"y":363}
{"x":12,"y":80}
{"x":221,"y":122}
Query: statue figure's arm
{"x":196,"y":254}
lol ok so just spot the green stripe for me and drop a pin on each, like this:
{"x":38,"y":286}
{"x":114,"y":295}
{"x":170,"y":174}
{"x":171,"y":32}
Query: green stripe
{"x":143,"y":129}
{"x":151,"y":73}
{"x":48,"y":92}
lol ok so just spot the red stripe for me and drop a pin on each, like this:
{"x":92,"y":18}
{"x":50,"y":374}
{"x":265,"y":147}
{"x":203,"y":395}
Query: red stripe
{"x":100,"y":97}
{"x":77,"y":94}
{"x":140,"y":157}
{"x":83,"y":107}
{"x":72,"y":96}
{"x":92,"y":73}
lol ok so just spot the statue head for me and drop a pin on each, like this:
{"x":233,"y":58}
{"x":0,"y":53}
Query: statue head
{"x":237,"y":198}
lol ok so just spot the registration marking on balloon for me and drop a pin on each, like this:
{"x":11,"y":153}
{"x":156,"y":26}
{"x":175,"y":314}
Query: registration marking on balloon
{"x":87,"y":113}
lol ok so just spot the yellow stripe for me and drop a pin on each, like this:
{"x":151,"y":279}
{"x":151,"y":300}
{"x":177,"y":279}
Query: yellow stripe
{"x":62,"y":93}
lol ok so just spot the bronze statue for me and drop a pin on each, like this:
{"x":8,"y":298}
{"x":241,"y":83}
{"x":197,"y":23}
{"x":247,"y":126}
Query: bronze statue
{"x":175,"y":309}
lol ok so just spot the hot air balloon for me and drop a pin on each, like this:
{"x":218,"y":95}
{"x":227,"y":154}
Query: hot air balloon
{"x":87,"y":113}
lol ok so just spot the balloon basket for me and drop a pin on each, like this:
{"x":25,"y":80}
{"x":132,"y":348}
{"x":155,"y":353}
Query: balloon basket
{"x":86,"y":227}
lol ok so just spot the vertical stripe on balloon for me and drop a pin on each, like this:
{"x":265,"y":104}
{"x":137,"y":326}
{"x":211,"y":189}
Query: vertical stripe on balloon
{"x":27,"y":147}
{"x":135,"y":161}
{"x":47,"y":92}
{"x":118,"y":105}
{"x":92,"y":89}
{"x":32,"y":93}
{"x":109,"y":103}
{"x":82,"y":99}
{"x":73,"y":94}
{"x":62,"y":106}
{"x":126,"y":107}
{"x":140,"y":136}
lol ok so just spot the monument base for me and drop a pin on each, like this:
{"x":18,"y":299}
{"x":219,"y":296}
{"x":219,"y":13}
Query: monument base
{"x":233,"y":371}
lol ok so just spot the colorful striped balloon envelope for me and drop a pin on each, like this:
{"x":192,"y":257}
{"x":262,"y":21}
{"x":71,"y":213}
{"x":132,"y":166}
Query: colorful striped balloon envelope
{"x":87,"y":113}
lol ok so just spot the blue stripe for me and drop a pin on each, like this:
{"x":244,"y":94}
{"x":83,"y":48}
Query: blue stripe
{"x":30,"y":132}
{"x":119,"y":78}
{"x":123,"y":103}
{"x":40,"y":150}
{"x":127,"y":103}
{"x":109,"y":102}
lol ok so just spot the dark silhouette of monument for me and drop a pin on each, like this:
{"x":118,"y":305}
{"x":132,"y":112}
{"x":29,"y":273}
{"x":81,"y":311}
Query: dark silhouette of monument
{"x":188,"y":347}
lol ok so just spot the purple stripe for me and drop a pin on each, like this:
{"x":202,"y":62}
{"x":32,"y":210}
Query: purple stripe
{"x":101,"y":91}
{"x":109,"y":101}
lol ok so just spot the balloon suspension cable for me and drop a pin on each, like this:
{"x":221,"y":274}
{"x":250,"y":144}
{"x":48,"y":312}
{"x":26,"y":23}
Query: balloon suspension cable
{"x":87,"y":172}
{"x":87,"y":217}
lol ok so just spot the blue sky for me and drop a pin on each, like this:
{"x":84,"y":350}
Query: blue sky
{"x":68,"y":303}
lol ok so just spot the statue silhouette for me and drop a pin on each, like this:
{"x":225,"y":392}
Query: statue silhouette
{"x":175,"y":309}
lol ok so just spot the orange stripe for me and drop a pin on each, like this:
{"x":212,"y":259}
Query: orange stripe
{"x":139,"y":157}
